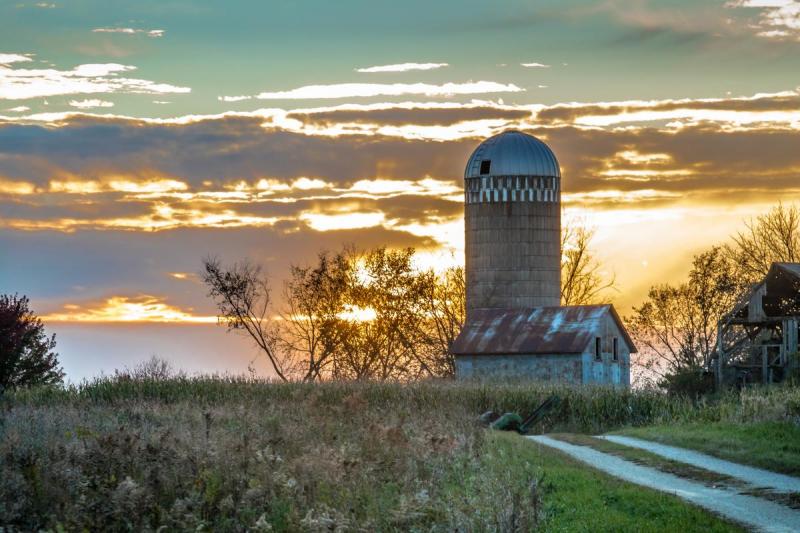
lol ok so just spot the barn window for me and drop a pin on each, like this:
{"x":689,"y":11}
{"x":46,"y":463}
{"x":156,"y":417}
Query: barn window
{"x":486,"y":166}
{"x":615,"y":350}
{"x":598,"y":354}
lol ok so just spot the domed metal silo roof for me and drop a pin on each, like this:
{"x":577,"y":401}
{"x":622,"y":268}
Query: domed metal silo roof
{"x":512,"y":153}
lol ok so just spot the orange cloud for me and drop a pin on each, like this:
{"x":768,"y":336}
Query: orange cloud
{"x":16,"y":187}
{"x":339,"y":221}
{"x":141,"y":308}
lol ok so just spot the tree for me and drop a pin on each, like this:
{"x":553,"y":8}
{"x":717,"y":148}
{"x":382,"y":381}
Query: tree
{"x":314,"y":327}
{"x":675,"y":329}
{"x":371,"y":315}
{"x":582,"y":282}
{"x":26,"y":353}
{"x":242,"y":296}
{"x":367,"y":314}
{"x":388,"y":345}
{"x":445,"y":301}
{"x":771,"y":237}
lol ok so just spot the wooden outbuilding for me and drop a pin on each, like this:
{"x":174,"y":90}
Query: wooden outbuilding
{"x":757,"y":341}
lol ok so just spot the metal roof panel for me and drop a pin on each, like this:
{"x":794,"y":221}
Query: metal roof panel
{"x":513,"y":153}
{"x":538,"y":330}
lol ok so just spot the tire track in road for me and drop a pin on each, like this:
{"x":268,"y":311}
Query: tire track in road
{"x":757,"y":477}
{"x":751,"y":511}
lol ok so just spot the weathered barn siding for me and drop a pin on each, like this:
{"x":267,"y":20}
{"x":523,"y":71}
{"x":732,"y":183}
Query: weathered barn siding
{"x":607,"y":371}
{"x":551,"y":368}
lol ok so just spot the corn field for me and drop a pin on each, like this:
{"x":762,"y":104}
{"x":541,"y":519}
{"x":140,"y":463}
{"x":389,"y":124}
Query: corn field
{"x":236,"y":454}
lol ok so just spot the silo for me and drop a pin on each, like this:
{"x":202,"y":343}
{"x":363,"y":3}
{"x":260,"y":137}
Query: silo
{"x":513,"y":224}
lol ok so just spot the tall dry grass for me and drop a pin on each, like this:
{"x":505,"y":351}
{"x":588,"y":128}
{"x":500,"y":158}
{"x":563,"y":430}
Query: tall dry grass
{"x":233,"y":454}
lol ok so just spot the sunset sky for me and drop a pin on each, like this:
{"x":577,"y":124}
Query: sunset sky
{"x":137,"y":138}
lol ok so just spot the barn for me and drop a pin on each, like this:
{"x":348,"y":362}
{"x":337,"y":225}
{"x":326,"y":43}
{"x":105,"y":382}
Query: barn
{"x":579,"y":344}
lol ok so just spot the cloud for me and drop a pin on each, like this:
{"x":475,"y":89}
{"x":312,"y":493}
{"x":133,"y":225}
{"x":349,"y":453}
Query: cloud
{"x":693,"y":24}
{"x":40,"y":5}
{"x":400,"y":114}
{"x":20,"y":84}
{"x":117,"y":309}
{"x":123,"y":202}
{"x":535,"y":65}
{"x":339,"y":221}
{"x":778,"y":19}
{"x":382,"y":183}
{"x":367,"y":90}
{"x":90,"y":103}
{"x":19,"y":109}
{"x":130,"y":31}
{"x":402,"y":67}
{"x":266,"y":168}
{"x":233,"y":98}
{"x":8,"y":187}
{"x":767,"y":108}
{"x":7,"y":59}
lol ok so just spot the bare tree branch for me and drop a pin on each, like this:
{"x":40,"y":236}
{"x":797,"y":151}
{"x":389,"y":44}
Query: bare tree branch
{"x":242,"y":296}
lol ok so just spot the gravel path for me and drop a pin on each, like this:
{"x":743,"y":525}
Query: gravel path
{"x":754,"y":476}
{"x":759,"y":514}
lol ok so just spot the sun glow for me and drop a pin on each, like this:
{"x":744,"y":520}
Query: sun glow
{"x":76,"y":187}
{"x":638,"y":158}
{"x":162,"y":217}
{"x":16,"y":187}
{"x":618,"y":196}
{"x":153,"y":186}
{"x":341,"y":221}
{"x":141,"y":308}
{"x":447,"y":232}
{"x":358,"y":314}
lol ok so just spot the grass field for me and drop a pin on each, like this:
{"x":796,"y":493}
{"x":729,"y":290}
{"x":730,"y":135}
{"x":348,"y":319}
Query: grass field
{"x":233,"y":454}
{"x":773,"y":445}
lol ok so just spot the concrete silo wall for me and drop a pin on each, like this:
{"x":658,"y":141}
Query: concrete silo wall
{"x":513,"y":254}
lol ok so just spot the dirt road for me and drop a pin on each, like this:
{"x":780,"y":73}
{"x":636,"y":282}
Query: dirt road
{"x":754,"y":476}
{"x":757,"y":513}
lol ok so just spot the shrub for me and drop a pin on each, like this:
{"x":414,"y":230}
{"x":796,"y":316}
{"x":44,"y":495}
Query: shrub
{"x":690,"y":382}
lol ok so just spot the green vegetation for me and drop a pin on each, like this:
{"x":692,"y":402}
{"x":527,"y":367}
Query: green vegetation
{"x":686,"y":471}
{"x":581,"y":499}
{"x":760,"y":426}
{"x":770,"y":445}
{"x":648,"y":459}
{"x":26,"y":352}
{"x":228,"y":454}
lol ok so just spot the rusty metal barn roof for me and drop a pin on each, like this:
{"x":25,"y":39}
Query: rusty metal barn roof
{"x":538,"y":330}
